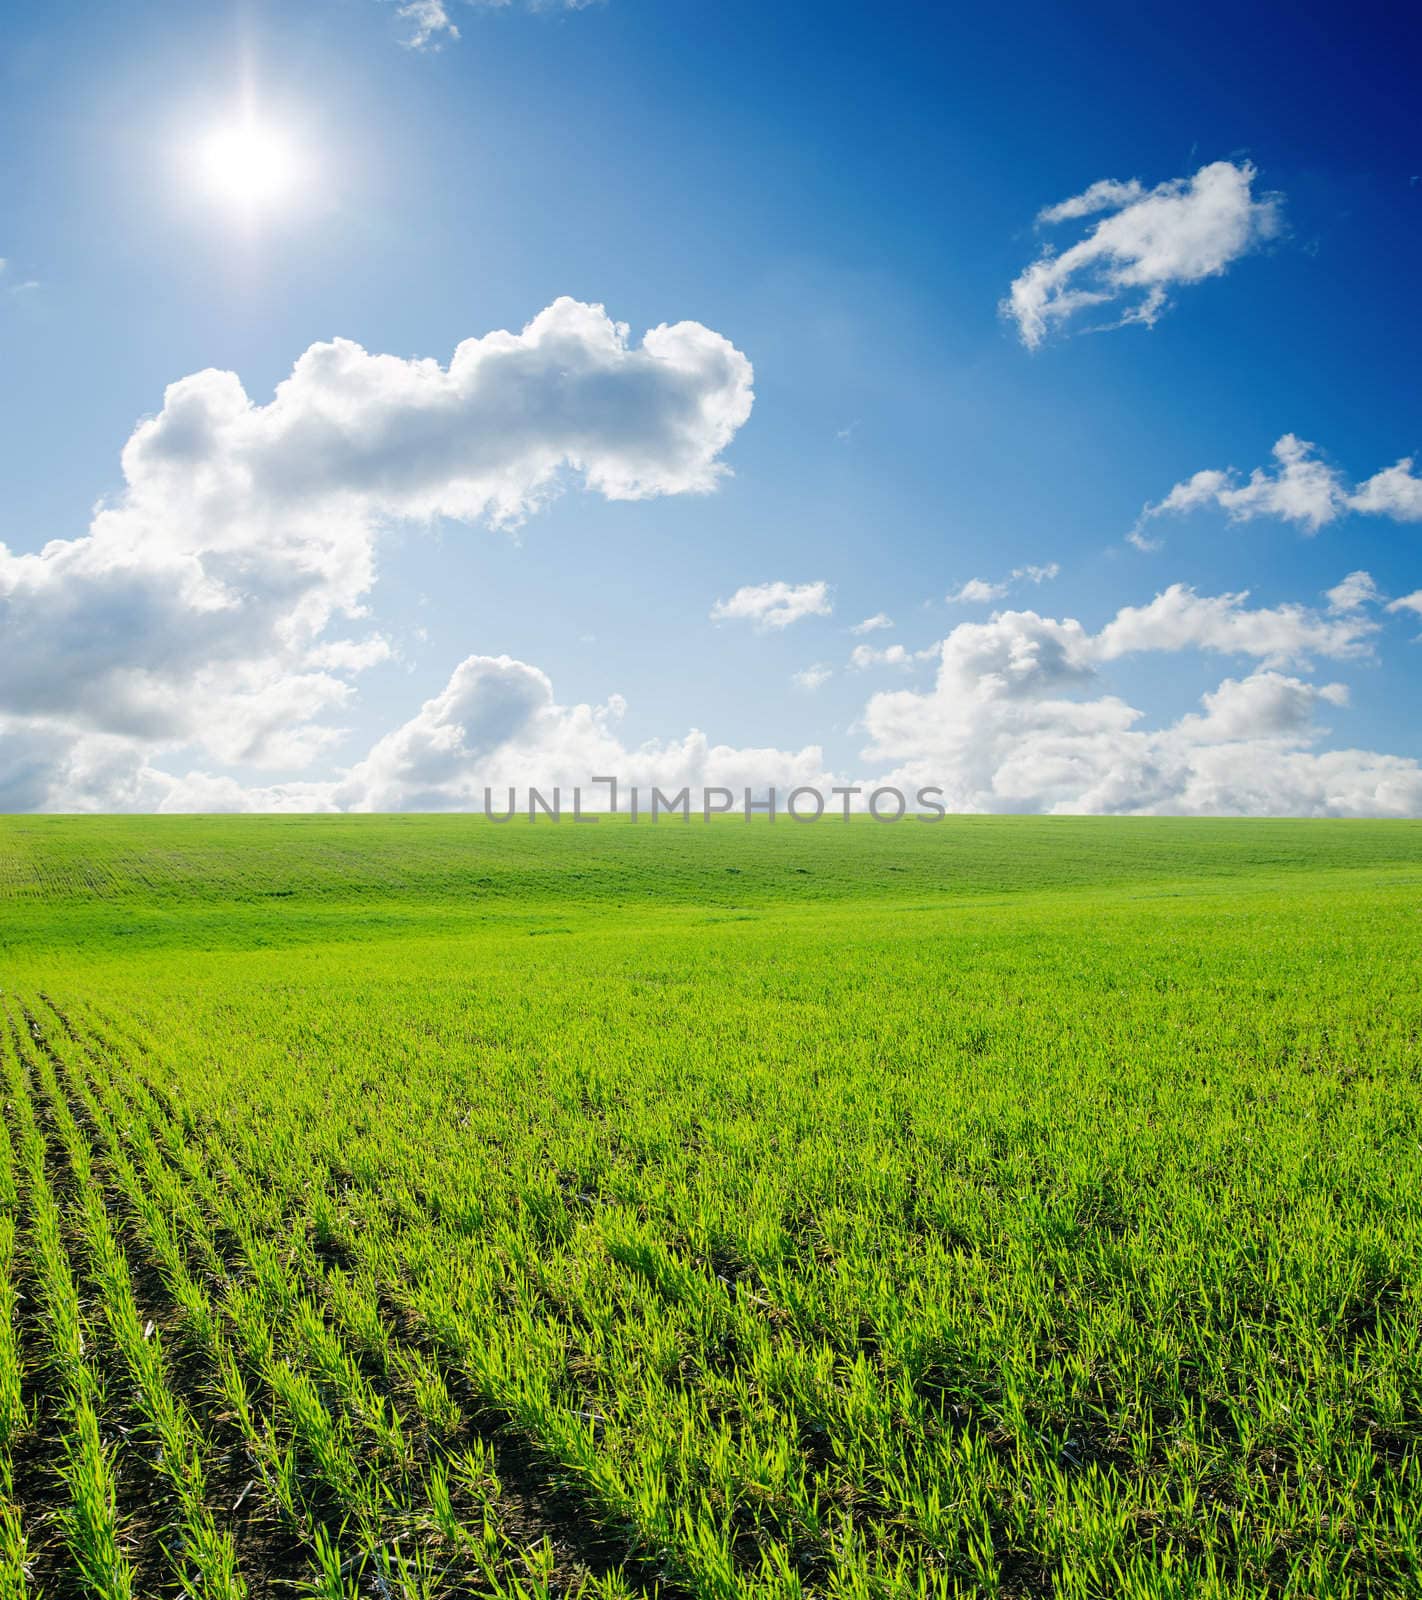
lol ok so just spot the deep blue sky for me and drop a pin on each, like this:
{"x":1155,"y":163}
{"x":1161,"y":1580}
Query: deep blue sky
{"x":844,"y":192}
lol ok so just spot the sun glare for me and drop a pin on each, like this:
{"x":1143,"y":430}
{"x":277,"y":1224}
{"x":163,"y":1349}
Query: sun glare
{"x":248,"y":166}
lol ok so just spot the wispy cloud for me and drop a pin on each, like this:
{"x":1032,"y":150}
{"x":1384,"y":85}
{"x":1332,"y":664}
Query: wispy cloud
{"x":1408,"y":602}
{"x":432,"y":27}
{"x":1180,"y":232}
{"x":812,"y":677}
{"x":980,"y":591}
{"x":864,"y":656}
{"x":27,"y":286}
{"x":976,"y":591}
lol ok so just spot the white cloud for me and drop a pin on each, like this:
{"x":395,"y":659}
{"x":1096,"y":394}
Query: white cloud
{"x":1180,"y":232}
{"x":432,"y":27}
{"x":812,"y":677}
{"x":1353,"y":593}
{"x":980,"y":591}
{"x":864,"y":656}
{"x":1104,"y":195}
{"x":214,"y":614}
{"x":1180,"y":619}
{"x":195,"y":610}
{"x":430,"y":24}
{"x":497,"y":724}
{"x":1266,"y":705}
{"x":774,"y":605}
{"x":45,"y":767}
{"x":1300,"y":488}
{"x":25,"y":288}
{"x":1017,"y":654}
{"x":1395,"y":492}
{"x":1140,"y":538}
{"x":873,"y":624}
{"x":1019,"y":718}
{"x":976,"y":591}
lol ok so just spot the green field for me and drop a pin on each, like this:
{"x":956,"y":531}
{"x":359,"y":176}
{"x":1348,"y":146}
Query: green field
{"x":421,"y":1207}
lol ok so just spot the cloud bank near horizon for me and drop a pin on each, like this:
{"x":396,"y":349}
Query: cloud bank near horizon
{"x":1021,"y":716}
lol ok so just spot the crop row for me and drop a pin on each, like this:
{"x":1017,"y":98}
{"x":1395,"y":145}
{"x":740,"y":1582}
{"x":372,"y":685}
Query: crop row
{"x":124,"y":1413}
{"x":703,"y":1386}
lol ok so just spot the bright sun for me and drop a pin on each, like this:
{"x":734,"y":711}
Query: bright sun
{"x":248,"y":166}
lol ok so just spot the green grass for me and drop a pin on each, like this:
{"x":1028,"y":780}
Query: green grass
{"x":1004,"y":1206}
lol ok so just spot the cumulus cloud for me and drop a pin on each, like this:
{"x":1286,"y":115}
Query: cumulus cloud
{"x":1037,"y":574}
{"x":208,"y":602}
{"x":214,"y":615}
{"x":774,"y":605}
{"x":1022,"y":656}
{"x":1018,"y":654}
{"x":497,"y":724}
{"x":1266,"y":705}
{"x":1180,"y":619}
{"x":1394,"y":492}
{"x":873,"y":624}
{"x":1300,"y":488}
{"x":1021,"y":717}
{"x":1180,"y":232}
{"x":488,"y":436}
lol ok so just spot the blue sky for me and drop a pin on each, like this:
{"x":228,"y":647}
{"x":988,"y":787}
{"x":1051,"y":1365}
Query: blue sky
{"x":842,"y":195}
